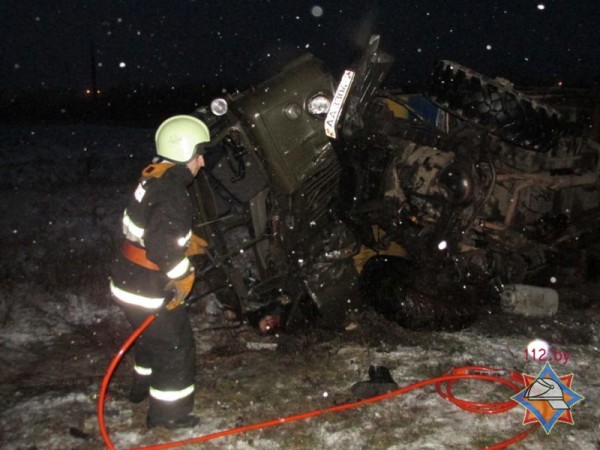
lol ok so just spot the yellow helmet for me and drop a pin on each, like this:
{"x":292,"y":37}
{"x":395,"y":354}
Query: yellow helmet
{"x":177,"y":138}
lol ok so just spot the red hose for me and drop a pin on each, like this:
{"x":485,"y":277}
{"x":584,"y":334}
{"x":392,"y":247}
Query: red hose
{"x":443,"y":385}
{"x":108,"y":375}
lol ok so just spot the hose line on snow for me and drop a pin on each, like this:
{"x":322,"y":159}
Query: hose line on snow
{"x":108,"y":375}
{"x":443,"y":385}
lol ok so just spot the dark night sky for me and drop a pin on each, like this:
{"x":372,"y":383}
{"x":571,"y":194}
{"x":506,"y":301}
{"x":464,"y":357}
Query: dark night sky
{"x":228,"y":43}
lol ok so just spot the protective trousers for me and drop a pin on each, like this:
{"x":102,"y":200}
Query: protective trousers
{"x":165,"y":361}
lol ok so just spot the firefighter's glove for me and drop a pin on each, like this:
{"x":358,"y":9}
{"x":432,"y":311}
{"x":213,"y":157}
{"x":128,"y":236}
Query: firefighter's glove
{"x":197,"y":246}
{"x":179,"y":290}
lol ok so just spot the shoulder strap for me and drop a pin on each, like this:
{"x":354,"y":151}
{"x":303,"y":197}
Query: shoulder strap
{"x":156,"y":170}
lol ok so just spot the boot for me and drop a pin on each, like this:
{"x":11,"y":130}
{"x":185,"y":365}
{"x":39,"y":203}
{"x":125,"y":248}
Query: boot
{"x":380,"y":382}
{"x":139,"y":391}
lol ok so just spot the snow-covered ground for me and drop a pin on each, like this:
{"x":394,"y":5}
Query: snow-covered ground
{"x":63,"y":190}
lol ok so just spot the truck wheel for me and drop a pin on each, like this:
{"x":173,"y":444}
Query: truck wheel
{"x":387,"y":283}
{"x":495,"y":105}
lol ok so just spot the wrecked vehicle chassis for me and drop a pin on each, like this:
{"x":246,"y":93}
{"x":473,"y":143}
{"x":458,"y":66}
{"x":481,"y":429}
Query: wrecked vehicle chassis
{"x":310,"y":187}
{"x":267,"y":201}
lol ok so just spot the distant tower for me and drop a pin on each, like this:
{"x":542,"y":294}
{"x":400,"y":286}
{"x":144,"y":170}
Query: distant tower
{"x":93,"y":70}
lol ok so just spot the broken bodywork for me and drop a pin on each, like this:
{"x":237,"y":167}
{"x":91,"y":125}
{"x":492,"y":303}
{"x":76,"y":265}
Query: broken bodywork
{"x":320,"y":200}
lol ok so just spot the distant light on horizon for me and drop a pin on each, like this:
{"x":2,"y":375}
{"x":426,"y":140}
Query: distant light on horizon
{"x":541,"y":6}
{"x":122,"y":65}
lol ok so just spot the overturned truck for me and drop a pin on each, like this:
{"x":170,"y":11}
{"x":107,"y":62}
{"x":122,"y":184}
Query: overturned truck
{"x":323,"y":197}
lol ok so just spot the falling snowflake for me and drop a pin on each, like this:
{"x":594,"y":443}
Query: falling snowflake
{"x":316,"y":11}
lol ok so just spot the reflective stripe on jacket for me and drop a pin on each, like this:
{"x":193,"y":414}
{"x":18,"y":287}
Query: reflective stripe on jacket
{"x":136,"y":299}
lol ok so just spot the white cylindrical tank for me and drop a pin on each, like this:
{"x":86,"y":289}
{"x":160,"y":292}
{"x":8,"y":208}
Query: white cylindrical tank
{"x":530,"y":301}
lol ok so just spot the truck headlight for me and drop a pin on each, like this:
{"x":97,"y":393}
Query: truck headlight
{"x":219,"y":106}
{"x":318,"y":105}
{"x":293,"y":111}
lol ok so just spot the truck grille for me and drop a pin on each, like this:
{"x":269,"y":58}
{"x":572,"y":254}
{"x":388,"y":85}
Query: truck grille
{"x":320,"y":189}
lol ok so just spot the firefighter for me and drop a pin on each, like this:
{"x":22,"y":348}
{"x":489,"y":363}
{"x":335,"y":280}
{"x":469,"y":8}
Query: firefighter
{"x":153,"y":273}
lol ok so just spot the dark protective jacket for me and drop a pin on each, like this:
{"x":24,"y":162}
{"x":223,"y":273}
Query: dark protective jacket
{"x":157,"y":231}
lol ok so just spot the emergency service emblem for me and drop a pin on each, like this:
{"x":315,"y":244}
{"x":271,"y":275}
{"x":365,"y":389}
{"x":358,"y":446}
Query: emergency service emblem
{"x":548,"y":398}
